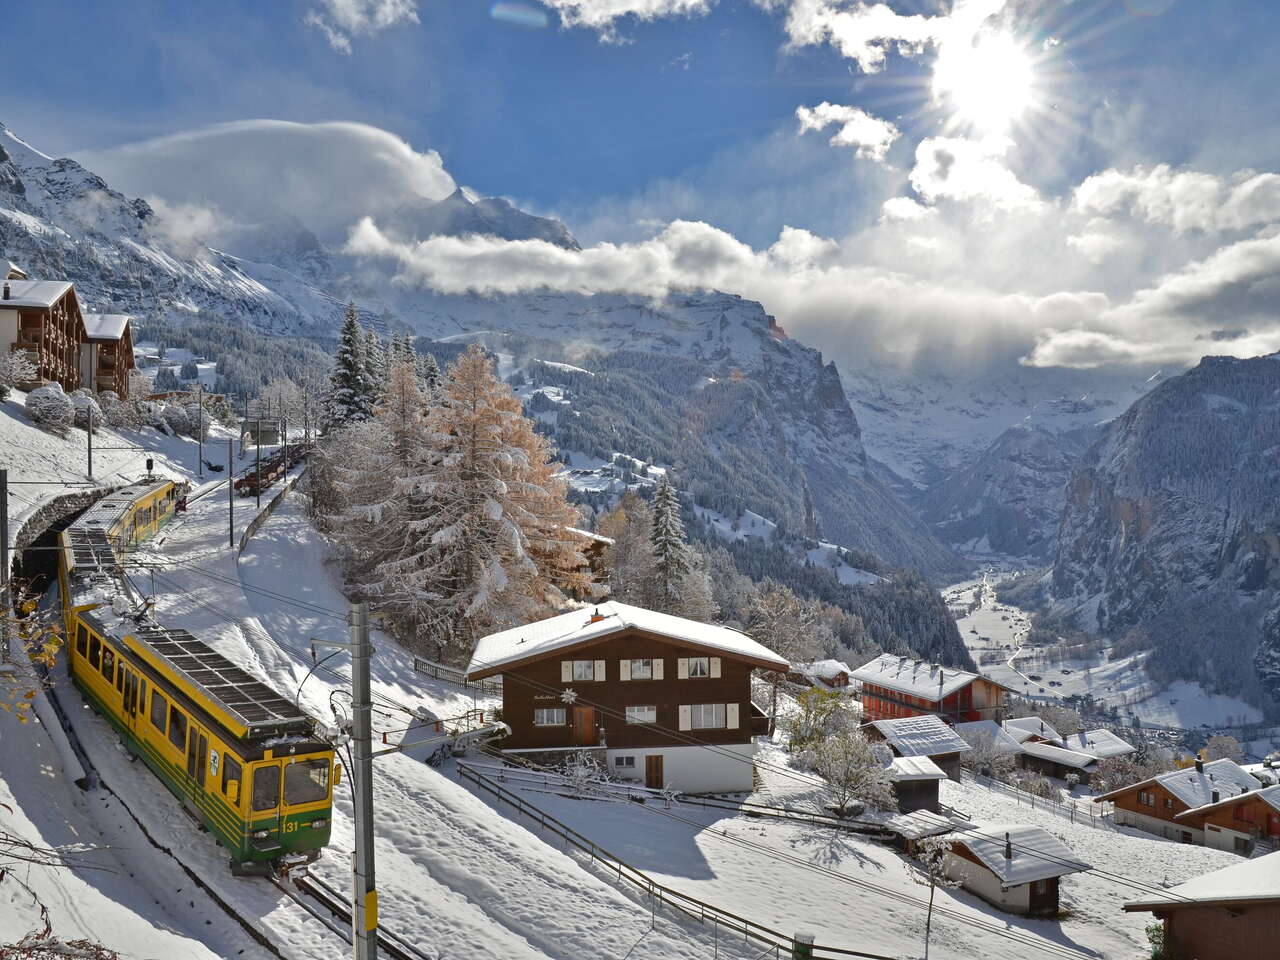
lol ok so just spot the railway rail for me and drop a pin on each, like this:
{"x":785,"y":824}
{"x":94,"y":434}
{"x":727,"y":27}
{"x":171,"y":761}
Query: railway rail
{"x":328,"y":900}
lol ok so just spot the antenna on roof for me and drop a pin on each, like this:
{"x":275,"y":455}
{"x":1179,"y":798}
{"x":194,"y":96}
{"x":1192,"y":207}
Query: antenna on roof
{"x":1008,"y":847}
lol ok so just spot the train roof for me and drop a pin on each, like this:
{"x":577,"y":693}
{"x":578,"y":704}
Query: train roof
{"x":227,"y":691}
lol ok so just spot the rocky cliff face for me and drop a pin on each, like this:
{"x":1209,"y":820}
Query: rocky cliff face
{"x":1171,"y":528}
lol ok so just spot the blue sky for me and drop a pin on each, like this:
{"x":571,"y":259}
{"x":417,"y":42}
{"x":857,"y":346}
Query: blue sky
{"x":694,"y":117}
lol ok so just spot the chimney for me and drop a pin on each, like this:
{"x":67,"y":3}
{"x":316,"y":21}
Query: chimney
{"x":1214,"y":797}
{"x":1199,"y":765}
{"x":6,"y":290}
{"x":1008,"y":848}
{"x":596,"y":617}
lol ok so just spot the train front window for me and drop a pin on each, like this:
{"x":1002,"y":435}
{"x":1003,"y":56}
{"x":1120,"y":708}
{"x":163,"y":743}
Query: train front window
{"x":177,"y":728}
{"x":306,"y":781}
{"x":159,"y":706}
{"x":108,"y":664}
{"x":266,"y":788}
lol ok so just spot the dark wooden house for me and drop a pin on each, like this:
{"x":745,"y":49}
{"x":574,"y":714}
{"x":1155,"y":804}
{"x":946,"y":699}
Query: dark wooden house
{"x":42,"y":319}
{"x":894,"y":687}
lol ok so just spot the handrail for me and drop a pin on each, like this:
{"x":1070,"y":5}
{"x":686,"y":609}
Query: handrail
{"x":490,"y":686}
{"x":693,"y":907}
{"x":1073,"y":811}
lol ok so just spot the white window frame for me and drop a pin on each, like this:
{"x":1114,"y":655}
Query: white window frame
{"x":638,"y":672}
{"x":705,"y":663}
{"x":627,"y":762}
{"x":700,"y":713}
{"x":539,"y":716}
{"x":583,"y":670}
{"x":634,"y":715}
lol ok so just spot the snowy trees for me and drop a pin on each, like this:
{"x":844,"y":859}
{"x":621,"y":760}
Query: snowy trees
{"x":931,"y":870}
{"x":986,"y":758}
{"x":350,"y":396}
{"x":855,"y":769}
{"x":787,"y":625}
{"x":670,"y":552}
{"x":88,"y":415}
{"x":450,"y":512}
{"x":15,"y":368}
{"x":1222,"y":746}
{"x":50,"y":407}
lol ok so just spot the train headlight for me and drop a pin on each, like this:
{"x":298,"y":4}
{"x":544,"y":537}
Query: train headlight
{"x":261,"y":834}
{"x":318,"y":824}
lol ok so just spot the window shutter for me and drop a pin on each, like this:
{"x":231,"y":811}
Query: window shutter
{"x":657,"y":669}
{"x":624,"y":669}
{"x":566,"y":670}
{"x":715,"y":666}
{"x":731,"y":716}
{"x":599,"y":669}
{"x":686,"y":720}
{"x":682,"y":669}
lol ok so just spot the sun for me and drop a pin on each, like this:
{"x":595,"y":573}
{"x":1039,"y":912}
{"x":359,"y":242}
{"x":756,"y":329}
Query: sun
{"x":986,"y":84}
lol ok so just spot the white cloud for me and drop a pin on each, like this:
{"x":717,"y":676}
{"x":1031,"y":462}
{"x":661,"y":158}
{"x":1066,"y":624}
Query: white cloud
{"x":870,"y":136}
{"x":1183,"y":199}
{"x":341,"y":20}
{"x":956,"y":168}
{"x":603,"y":15}
{"x":326,"y":175}
{"x":904,"y":208}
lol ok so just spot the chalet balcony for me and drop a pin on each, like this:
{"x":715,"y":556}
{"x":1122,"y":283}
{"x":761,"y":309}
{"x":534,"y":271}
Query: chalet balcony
{"x":759,"y":721}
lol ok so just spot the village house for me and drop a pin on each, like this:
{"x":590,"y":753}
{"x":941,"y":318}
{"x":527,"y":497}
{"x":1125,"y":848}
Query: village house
{"x":832,"y":674}
{"x":1032,"y":729}
{"x":107,"y":352}
{"x":1102,"y":744}
{"x":894,"y":687}
{"x":909,"y":829}
{"x":1053,"y":761}
{"x":658,"y":698}
{"x":924,"y":736}
{"x":42,"y":319}
{"x":1242,"y":823}
{"x":1014,"y":867}
{"x":915,"y":783}
{"x":1230,"y":914}
{"x":978,"y":732}
{"x":1154,"y":804}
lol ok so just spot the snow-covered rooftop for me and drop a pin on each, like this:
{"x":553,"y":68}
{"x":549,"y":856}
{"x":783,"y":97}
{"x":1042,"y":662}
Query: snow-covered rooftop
{"x":1036,"y":853}
{"x":1257,"y":879}
{"x":34,"y":293}
{"x":1024,"y":728}
{"x":824,"y":669}
{"x":916,"y":678}
{"x":9,"y":269}
{"x":1068,"y":758}
{"x":602,"y":620}
{"x":904,"y":769}
{"x":105,"y":326}
{"x":1268,"y":795}
{"x":921,"y":823}
{"x":925,"y":736}
{"x":975,"y":729}
{"x":1195,"y":787}
{"x":1099,"y":743}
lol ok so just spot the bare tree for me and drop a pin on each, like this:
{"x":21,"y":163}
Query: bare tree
{"x":790,"y":627}
{"x":931,"y":870}
{"x":1222,"y":746}
{"x":855,"y":769}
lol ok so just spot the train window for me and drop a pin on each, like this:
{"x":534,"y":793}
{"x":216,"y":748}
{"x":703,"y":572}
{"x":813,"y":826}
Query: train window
{"x":95,"y":647}
{"x":82,"y":640}
{"x":108,"y":663}
{"x":120,"y":677}
{"x":306,"y":781}
{"x":177,"y":728}
{"x":231,"y":773}
{"x":159,"y":707}
{"x":266,"y":788}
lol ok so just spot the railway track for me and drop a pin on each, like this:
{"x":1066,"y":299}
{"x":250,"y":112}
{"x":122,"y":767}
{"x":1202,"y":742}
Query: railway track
{"x":326,"y":899}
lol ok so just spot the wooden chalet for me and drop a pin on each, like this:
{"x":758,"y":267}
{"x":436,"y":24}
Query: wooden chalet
{"x":1172,"y":805}
{"x":1230,"y":914}
{"x":107,"y":352}
{"x":42,"y":319}
{"x":1243,"y":823}
{"x":11,"y":271}
{"x":894,"y":687}
{"x":1014,"y":867}
{"x":915,"y":783}
{"x":642,"y":691}
{"x":832,"y":674}
{"x":924,"y":736}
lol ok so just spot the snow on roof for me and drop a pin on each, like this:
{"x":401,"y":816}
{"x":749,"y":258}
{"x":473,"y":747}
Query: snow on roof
{"x":916,"y":678}
{"x":10,"y":270}
{"x":105,"y":326}
{"x":588,"y":535}
{"x":1256,"y":879}
{"x":824,"y":669}
{"x":1268,"y":795}
{"x":1068,"y":758}
{"x":1000,"y":740}
{"x":1024,"y":728}
{"x":1036,"y":853}
{"x":905,"y":769}
{"x":593,"y":623}
{"x":35,"y":293}
{"x":1195,"y":787}
{"x":921,"y":823}
{"x":925,"y":736}
{"x":1099,"y":743}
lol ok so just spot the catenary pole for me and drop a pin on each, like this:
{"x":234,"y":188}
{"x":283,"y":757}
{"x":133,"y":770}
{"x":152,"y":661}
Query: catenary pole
{"x":200,"y":429}
{"x":364,"y":915}
{"x":5,"y":652}
{"x":258,"y":465}
{"x":88,"y":432}
{"x":231,"y":494}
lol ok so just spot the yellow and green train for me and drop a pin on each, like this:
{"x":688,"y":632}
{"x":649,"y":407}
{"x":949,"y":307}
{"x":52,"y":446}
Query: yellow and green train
{"x":244,"y":760}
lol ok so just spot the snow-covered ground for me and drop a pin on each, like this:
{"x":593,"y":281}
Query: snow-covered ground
{"x":149,"y":362}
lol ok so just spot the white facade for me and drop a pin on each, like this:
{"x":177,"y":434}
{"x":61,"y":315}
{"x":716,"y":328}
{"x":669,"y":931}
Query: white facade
{"x":1224,"y":838}
{"x":1161,"y":828}
{"x":723,"y":768}
{"x":8,"y":328}
{"x":987,"y":885}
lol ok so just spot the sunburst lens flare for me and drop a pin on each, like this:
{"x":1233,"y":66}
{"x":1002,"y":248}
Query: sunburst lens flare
{"x":987,"y":84}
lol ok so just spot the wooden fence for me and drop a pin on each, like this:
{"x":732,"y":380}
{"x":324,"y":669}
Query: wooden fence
{"x":1085,"y":812}
{"x":730,"y":926}
{"x":492,"y":687}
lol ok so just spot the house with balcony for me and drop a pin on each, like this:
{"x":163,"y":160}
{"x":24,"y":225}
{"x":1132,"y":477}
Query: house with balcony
{"x":657,"y":698}
{"x":42,"y":319}
{"x":106,"y":356}
{"x":894,"y":687}
{"x":1174,"y":804}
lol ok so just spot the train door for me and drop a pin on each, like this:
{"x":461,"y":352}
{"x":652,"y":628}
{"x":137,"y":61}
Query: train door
{"x":197,"y":752}
{"x":130,"y":706}
{"x":265,"y":803}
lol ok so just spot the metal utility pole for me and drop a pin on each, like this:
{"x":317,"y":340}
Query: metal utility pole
{"x":364,"y":913}
{"x":231,"y":494}
{"x":306,"y":417}
{"x":89,"y":434}
{"x":5,"y":652}
{"x":284,"y":437}
{"x":200,"y":429}
{"x":258,"y":465}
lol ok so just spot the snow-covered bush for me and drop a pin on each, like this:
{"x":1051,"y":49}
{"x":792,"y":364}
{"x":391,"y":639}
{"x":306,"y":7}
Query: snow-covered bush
{"x":198,"y":420}
{"x":50,"y":407}
{"x":150,"y":413}
{"x":15,"y":368}
{"x":175,"y":417}
{"x":116,"y":412}
{"x":88,"y":412}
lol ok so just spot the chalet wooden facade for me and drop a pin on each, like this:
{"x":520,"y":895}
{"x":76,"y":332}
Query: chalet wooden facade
{"x":894,"y":687}
{"x":1241,"y":823}
{"x":107,"y":352}
{"x":647,"y":692}
{"x":1172,"y":805}
{"x":42,"y":319}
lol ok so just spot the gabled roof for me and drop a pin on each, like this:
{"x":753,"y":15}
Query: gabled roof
{"x":1195,"y":787}
{"x":11,"y":271}
{"x":1267,"y":795}
{"x":34,"y":293}
{"x":920,"y":823}
{"x":1068,"y":758}
{"x":1256,"y":880}
{"x":1023,"y":728}
{"x":916,"y":678}
{"x":907,"y":769}
{"x":1036,"y":853}
{"x":105,"y":326}
{"x":925,"y":736}
{"x":1099,"y":743}
{"x":824,"y":669}
{"x":975,"y":729}
{"x":578,"y":628}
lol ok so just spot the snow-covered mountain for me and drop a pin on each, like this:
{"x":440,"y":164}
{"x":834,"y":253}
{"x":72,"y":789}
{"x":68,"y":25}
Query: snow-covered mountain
{"x":1170,"y":536}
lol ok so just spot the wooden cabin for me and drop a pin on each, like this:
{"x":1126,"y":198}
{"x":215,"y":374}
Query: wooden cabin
{"x":42,"y":318}
{"x":1014,"y":867}
{"x":1156,"y":805}
{"x":1230,"y":914}
{"x":924,"y":736}
{"x":831,"y":674}
{"x":642,"y":691}
{"x":915,"y":783}
{"x":107,"y":352}
{"x":894,"y":687}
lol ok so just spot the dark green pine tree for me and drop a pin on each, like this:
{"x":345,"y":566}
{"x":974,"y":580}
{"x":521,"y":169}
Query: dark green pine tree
{"x":350,"y":396}
{"x":671,"y":560}
{"x":375,"y":364}
{"x":429,"y":374}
